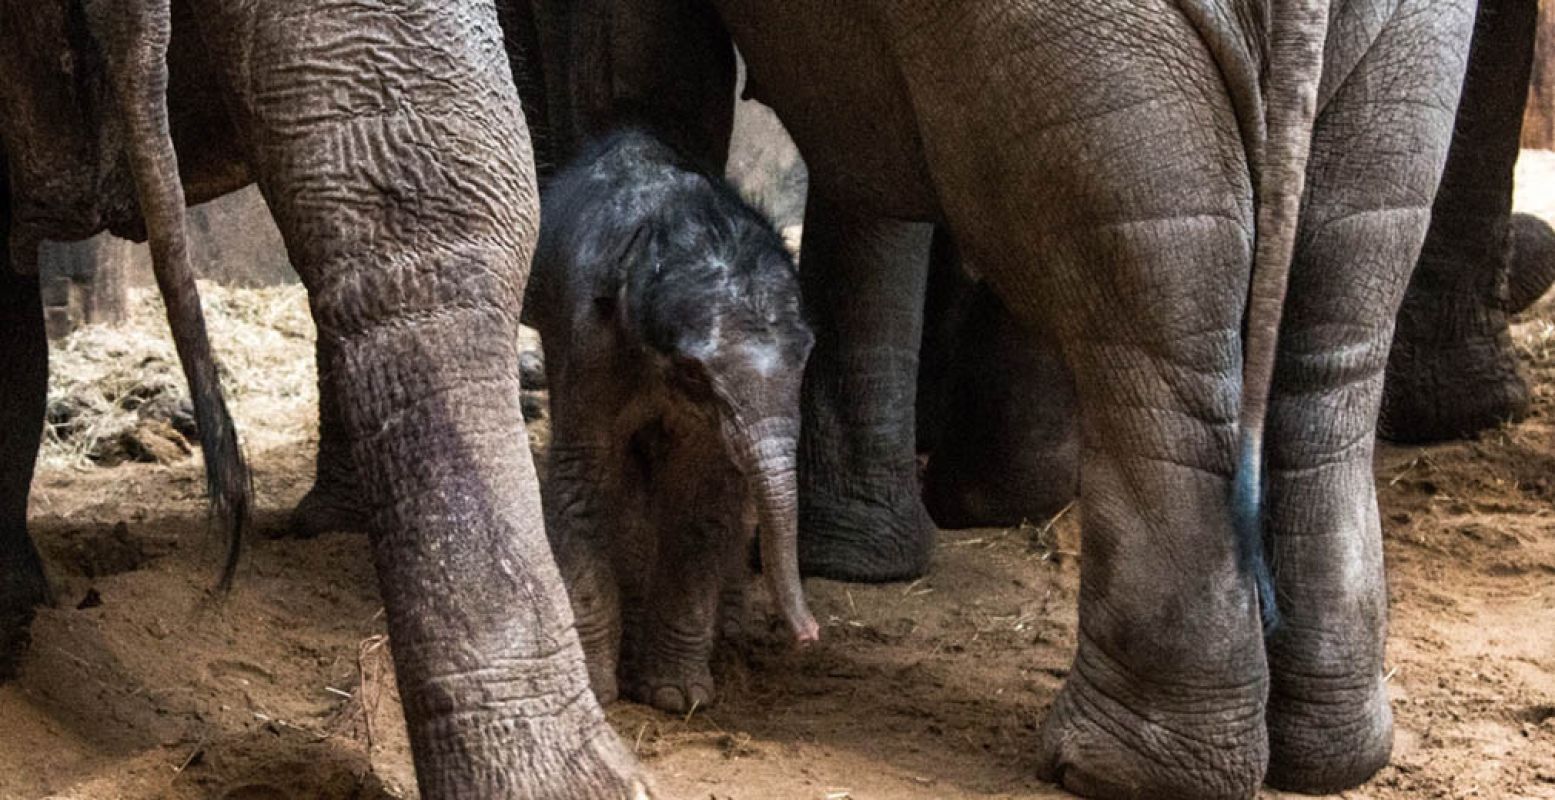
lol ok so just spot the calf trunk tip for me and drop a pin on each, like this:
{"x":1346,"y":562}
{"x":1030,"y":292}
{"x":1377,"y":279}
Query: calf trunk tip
{"x":806,"y":631}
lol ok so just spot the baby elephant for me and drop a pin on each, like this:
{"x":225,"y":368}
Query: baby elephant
{"x":674,"y":347}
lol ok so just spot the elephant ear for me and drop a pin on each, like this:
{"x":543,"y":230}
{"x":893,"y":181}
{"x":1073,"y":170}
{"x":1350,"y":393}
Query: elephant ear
{"x":133,"y":36}
{"x":613,"y":287}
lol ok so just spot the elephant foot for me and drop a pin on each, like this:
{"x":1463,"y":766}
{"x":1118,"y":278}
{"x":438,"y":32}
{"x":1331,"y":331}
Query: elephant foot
{"x":1324,"y":742}
{"x":864,"y":542}
{"x":330,"y":506}
{"x":676,"y":688}
{"x":22,"y":590}
{"x":1122,"y":743}
{"x":600,"y":767}
{"x":1530,"y":261}
{"x":1448,"y":390}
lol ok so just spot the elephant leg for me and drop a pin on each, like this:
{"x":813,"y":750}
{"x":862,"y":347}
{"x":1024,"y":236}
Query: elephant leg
{"x":335,"y":501}
{"x":1009,"y":449}
{"x":860,"y":515}
{"x":24,"y":369}
{"x":1137,"y":257}
{"x":1452,"y":371}
{"x":389,"y":143}
{"x":1165,"y":698}
{"x":698,"y":529}
{"x":581,"y":519}
{"x":734,"y":609}
{"x":1375,"y":163}
{"x":670,"y":666}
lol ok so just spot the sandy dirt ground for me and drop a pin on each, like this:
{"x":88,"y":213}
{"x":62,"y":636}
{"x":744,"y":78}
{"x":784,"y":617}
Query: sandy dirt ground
{"x":141,"y":684}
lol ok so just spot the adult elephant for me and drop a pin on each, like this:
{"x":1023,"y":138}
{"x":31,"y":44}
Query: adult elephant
{"x":388,"y":140}
{"x":1139,"y":155}
{"x":1453,"y":371}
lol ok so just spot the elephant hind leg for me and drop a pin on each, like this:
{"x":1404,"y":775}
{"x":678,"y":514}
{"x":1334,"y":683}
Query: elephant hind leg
{"x":24,"y":373}
{"x":334,"y":503}
{"x":1366,"y":215}
{"x":1453,"y":371}
{"x":1166,"y":695}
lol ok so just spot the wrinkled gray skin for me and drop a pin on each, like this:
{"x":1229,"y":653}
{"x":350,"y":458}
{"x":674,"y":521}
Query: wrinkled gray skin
{"x":1453,"y":371}
{"x":674,"y":342}
{"x":1100,"y":165}
{"x":389,"y":142}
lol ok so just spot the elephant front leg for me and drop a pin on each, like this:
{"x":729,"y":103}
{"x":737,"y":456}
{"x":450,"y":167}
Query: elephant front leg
{"x":1453,"y":371}
{"x":699,"y":528}
{"x":1375,"y":164}
{"x":585,"y":524}
{"x":860,"y":514}
{"x":24,"y":373}
{"x":334,"y":503}
{"x":400,"y":175}
{"x":669,"y":669}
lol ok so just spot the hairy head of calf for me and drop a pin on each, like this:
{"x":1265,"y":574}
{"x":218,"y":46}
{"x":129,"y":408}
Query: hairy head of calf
{"x":690,"y":294}
{"x":690,"y":275}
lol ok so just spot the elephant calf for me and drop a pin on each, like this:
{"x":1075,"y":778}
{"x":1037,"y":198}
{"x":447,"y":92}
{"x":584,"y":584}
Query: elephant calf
{"x":675,"y":345}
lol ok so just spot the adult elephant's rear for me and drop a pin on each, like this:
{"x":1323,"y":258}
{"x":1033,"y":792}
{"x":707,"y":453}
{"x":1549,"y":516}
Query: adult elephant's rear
{"x":1108,"y":166}
{"x":387,"y":139}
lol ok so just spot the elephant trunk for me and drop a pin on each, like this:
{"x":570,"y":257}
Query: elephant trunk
{"x":764,"y":451}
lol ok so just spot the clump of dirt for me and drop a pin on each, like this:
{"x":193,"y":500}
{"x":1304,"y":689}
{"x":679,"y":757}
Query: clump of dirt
{"x":110,"y":385}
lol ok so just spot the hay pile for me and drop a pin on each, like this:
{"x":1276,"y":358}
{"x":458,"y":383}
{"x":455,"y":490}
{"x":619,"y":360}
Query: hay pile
{"x":117,"y":392}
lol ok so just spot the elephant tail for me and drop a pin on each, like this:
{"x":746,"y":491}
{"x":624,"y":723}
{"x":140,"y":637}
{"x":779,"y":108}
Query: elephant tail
{"x":1297,"y":33}
{"x":134,"y":38}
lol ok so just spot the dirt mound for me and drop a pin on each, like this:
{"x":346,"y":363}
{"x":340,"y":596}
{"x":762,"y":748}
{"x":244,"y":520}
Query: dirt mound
{"x":107,"y":382}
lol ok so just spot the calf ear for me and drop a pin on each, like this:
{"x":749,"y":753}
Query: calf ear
{"x":613,"y":275}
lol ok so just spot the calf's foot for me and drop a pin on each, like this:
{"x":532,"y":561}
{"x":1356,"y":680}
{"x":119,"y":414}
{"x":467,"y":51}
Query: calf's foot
{"x":674,"y":686}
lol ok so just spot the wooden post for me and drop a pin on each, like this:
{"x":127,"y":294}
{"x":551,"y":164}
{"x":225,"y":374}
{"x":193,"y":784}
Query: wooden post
{"x":1539,"y":116}
{"x":84,"y":282}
